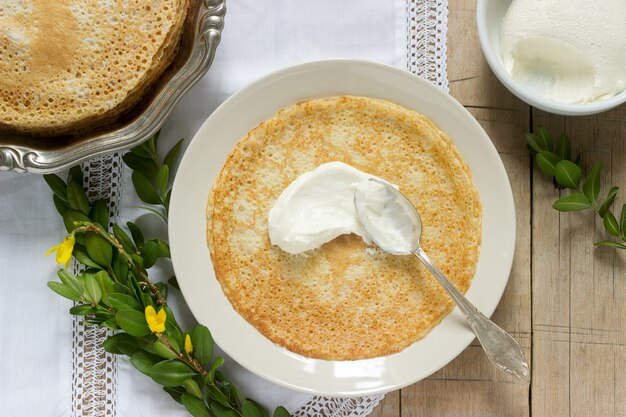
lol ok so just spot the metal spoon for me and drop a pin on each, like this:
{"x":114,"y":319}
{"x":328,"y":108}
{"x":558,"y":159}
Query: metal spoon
{"x":394,"y":224}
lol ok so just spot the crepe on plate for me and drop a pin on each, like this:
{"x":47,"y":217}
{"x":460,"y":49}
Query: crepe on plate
{"x":66,"y":65}
{"x":345,"y":300}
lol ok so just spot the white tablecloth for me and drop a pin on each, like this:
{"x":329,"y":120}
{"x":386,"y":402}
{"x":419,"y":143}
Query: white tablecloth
{"x":40,"y":343}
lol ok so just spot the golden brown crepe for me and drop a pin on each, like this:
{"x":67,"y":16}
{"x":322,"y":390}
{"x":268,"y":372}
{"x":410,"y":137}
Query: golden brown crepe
{"x":68,"y":64}
{"x":344,"y":300}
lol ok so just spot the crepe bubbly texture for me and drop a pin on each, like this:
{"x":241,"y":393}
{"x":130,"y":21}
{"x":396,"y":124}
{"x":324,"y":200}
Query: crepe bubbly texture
{"x":68,"y":64}
{"x":345,"y":300}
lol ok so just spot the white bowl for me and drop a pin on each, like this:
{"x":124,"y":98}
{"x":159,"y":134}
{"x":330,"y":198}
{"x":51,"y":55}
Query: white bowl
{"x":489,"y":14}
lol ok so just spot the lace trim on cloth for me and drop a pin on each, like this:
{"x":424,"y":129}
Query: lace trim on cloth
{"x":427,"y":22}
{"x":93,"y":369}
{"x":427,"y":31}
{"x":338,"y":407}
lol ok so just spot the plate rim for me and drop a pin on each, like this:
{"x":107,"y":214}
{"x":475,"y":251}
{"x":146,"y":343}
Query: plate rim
{"x":305,"y":68}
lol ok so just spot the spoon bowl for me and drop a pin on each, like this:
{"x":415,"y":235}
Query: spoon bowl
{"x":394,"y":225}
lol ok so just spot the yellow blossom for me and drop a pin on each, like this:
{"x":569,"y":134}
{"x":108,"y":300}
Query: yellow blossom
{"x":188,"y":345}
{"x":156,"y":321}
{"x":64,"y":250}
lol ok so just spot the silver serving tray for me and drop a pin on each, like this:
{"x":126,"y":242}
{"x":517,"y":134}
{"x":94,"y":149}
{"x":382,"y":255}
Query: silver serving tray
{"x":201,"y":35}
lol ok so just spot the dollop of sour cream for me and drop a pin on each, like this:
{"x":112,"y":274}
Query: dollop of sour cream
{"x":317,"y":207}
{"x":570,"y":51}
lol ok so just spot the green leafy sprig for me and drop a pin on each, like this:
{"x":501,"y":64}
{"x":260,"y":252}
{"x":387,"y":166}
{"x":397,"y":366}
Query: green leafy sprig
{"x":114,"y":291}
{"x":555,"y":161}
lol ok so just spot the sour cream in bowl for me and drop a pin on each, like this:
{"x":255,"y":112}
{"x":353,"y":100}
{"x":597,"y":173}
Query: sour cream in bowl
{"x":562,"y":56}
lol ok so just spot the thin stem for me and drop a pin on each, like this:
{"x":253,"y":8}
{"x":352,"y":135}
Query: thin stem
{"x":194,"y":364}
{"x":92,"y":227}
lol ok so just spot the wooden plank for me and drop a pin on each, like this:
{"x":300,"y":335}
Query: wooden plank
{"x":578,"y":290}
{"x":389,"y":406}
{"x":470,"y":385}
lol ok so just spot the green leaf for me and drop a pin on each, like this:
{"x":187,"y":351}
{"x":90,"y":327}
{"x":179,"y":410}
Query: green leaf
{"x":217,"y":395}
{"x":162,"y":179}
{"x":83,"y":310}
{"x":149,"y":253}
{"x":60,"y":205}
{"x":70,"y":216}
{"x":176,"y":393}
{"x":572,"y":202}
{"x":219,"y":361}
{"x":171,"y":328}
{"x":122,"y":289}
{"x":232,"y":392}
{"x":171,"y":372}
{"x":610,"y":224}
{"x":57,"y":185}
{"x":75,"y":174}
{"x":124,"y":302}
{"x":93,"y":293}
{"x":164,"y":248}
{"x":532,"y":143}
{"x":64,"y":291}
{"x":544,"y":139}
{"x":135,"y":231}
{"x":82,"y":257}
{"x":98,"y":249}
{"x":195,"y":406}
{"x":147,"y":343}
{"x":610,"y":197}
{"x":173,"y":282}
{"x":163,"y":351}
{"x":252,"y":409}
{"x":124,"y":239}
{"x":622,"y":219}
{"x":222,"y":411}
{"x":70,"y":280}
{"x":172,"y":155}
{"x":143,"y":361}
{"x":121,"y":344}
{"x":281,"y":412}
{"x":144,"y":165}
{"x":202,"y":342}
{"x":144,"y":189}
{"x":192,"y":388}
{"x":547,"y":162}
{"x":76,"y":198}
{"x":148,"y":148}
{"x":111,"y":324}
{"x":106,"y":285}
{"x":132,"y":322}
{"x":166,"y":203}
{"x":155,"y":212}
{"x":100,"y":213}
{"x":591,"y":186}
{"x":567,"y":174}
{"x":119,"y":266}
{"x":611,"y":244}
{"x":578,"y":160}
{"x":563,"y":147}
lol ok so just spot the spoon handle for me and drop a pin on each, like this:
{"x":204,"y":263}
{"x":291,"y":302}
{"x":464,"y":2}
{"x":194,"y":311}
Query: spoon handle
{"x":501,"y":348}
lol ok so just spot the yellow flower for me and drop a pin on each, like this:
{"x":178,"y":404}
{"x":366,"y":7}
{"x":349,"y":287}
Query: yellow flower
{"x":156,"y":321}
{"x":188,"y":345}
{"x":64,"y":250}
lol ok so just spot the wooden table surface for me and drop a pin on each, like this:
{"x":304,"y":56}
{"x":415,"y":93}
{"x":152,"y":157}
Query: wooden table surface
{"x":565,"y":300}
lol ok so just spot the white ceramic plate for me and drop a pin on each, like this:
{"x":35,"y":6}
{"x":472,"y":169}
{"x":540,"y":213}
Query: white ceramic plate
{"x":203,"y":161}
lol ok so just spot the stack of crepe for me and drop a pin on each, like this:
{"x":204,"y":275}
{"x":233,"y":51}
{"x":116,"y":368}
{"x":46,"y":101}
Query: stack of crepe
{"x":69,"y":65}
